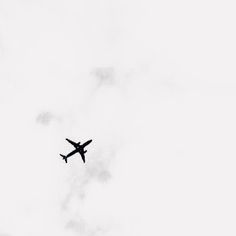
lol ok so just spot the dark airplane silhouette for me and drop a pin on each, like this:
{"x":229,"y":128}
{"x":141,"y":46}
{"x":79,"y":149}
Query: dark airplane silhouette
{"x":78,"y":148}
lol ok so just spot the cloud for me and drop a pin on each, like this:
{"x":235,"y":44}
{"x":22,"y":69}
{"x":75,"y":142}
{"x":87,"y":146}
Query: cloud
{"x":44,"y":118}
{"x":4,"y":234}
{"x":84,"y":229}
{"x":97,"y":170}
{"x":104,"y":76}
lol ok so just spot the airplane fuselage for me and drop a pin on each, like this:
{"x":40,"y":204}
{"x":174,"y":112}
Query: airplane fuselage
{"x":78,"y":148}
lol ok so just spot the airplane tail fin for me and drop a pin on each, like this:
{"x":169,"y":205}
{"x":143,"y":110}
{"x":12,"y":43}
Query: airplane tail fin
{"x":64,"y":157}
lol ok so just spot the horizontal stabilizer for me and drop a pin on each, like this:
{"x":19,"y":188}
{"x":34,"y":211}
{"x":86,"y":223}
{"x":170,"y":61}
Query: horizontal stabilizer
{"x":64,"y":157}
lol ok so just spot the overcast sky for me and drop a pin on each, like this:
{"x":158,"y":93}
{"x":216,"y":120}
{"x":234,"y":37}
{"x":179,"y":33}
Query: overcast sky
{"x":153,"y":83}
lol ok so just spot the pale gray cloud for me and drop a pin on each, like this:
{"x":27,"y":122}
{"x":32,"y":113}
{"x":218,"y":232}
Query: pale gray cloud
{"x":5,"y":234}
{"x":104,"y":76}
{"x":45,"y":118}
{"x":97,"y":170}
{"x":82,"y":228}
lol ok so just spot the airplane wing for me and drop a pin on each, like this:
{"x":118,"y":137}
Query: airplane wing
{"x":86,"y":143}
{"x":82,"y":155}
{"x":71,"y":142}
{"x":72,"y":153}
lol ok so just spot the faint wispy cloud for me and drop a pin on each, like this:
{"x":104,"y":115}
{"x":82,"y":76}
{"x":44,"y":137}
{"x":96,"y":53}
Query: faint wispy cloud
{"x":4,"y":234}
{"x":45,"y":118}
{"x":98,"y":170}
{"x":83,"y":228}
{"x":104,"y":75}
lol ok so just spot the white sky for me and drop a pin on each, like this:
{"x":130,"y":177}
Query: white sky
{"x":152,"y":83}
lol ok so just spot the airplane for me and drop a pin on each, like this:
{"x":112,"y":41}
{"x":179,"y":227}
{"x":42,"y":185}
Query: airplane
{"x":78,"y":148}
